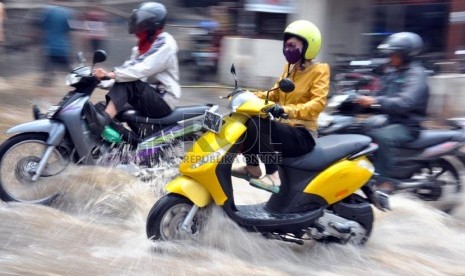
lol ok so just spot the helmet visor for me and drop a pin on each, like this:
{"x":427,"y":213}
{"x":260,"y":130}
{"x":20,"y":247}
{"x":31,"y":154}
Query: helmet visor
{"x":132,"y":22}
{"x":385,"y":49}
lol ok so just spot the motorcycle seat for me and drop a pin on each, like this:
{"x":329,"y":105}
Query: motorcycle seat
{"x":328,"y":149}
{"x":179,"y":113}
{"x":430,"y":138}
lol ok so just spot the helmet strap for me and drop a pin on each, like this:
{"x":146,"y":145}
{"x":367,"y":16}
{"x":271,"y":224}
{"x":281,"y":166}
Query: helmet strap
{"x":288,"y":70}
{"x":302,"y":64}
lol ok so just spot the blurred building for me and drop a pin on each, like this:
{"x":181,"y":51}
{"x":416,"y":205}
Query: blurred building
{"x":251,"y":32}
{"x":350,"y":29}
{"x":252,"y":29}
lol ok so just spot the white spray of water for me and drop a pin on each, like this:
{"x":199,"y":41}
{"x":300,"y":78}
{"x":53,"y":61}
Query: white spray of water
{"x":98,"y":227}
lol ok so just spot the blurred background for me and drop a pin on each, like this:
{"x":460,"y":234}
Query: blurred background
{"x":212,"y":34}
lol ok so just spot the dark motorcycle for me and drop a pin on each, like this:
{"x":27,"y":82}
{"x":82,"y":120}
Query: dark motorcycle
{"x":458,"y":124}
{"x":43,"y":148}
{"x":205,"y":51}
{"x":427,"y":167}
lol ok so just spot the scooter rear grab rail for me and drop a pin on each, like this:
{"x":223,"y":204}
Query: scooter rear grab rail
{"x":369,"y":150}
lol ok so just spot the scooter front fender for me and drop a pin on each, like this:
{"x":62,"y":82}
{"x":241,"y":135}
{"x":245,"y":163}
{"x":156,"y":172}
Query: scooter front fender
{"x":55,"y":130}
{"x":191,"y":189}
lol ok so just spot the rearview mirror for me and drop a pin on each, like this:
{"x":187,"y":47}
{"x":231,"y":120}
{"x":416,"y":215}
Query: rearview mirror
{"x":233,"y":72}
{"x":99,"y":56}
{"x":286,"y":85}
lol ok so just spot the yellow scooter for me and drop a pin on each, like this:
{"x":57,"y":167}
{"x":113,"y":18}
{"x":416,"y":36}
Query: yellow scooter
{"x":325,"y":195}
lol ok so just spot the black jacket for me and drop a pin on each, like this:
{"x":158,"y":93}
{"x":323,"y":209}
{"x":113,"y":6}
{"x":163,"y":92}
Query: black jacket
{"x":405,"y":94}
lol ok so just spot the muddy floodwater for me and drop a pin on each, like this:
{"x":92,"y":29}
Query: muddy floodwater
{"x":97,"y":227}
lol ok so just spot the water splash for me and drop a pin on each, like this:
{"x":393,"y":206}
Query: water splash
{"x":98,"y":227}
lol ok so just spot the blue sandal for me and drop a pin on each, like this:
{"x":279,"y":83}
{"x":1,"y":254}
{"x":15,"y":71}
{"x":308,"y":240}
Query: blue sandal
{"x":260,"y":184}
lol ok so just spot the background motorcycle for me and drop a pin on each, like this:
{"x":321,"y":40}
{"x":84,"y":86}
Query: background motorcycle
{"x":427,"y":167}
{"x":317,"y":198}
{"x":43,"y":148}
{"x":204,"y":55}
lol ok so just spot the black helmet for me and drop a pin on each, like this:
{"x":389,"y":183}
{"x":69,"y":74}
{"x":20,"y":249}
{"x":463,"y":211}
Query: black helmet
{"x":149,"y":16}
{"x":407,"y":44}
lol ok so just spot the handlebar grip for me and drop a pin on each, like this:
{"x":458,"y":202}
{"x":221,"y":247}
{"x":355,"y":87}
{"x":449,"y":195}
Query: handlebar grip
{"x":106,"y":78}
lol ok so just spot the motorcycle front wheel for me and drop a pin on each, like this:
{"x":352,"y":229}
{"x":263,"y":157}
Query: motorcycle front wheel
{"x":19,"y":159}
{"x":165,"y":219}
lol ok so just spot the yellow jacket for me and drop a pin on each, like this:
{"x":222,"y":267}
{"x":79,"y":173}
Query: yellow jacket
{"x":304,"y":104}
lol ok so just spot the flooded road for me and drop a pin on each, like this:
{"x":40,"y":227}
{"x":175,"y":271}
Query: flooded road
{"x":97,"y":227}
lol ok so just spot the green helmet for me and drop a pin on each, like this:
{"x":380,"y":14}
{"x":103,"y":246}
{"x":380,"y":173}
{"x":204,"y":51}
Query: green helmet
{"x":308,"y":33}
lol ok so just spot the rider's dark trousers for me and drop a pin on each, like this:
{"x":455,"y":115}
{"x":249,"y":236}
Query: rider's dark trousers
{"x":388,"y":139}
{"x":140,"y":95}
{"x":269,"y":140}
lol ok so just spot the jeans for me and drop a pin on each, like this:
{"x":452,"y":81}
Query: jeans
{"x":389,"y":138}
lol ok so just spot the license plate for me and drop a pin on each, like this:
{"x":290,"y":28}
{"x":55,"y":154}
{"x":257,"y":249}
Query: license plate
{"x":212,"y":121}
{"x":52,"y":110}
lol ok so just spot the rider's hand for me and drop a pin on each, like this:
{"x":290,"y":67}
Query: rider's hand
{"x":276,"y":110}
{"x":100,"y":73}
{"x":366,"y":101}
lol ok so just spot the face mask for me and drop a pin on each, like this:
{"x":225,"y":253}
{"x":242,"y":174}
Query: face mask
{"x":142,"y":35}
{"x":292,"y":55}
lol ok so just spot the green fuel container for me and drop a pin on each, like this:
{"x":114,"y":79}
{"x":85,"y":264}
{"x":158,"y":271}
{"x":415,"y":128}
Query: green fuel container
{"x":111,"y":135}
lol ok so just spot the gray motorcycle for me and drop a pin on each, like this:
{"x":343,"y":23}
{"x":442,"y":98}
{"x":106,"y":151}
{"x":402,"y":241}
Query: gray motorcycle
{"x":428,"y":167}
{"x":43,"y":148}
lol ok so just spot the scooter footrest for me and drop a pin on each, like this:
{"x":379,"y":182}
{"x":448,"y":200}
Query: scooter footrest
{"x":256,"y":216}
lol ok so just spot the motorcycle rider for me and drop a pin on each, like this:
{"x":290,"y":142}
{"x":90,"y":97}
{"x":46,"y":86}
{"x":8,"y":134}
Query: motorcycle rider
{"x":404,"y":98}
{"x":295,"y":135}
{"x":149,"y":80}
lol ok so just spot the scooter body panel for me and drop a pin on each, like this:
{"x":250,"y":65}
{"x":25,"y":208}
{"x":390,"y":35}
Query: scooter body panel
{"x":250,"y":107}
{"x":80,"y":134}
{"x":56,"y":130}
{"x":201,"y":161}
{"x":341,"y":179}
{"x":190,"y":188}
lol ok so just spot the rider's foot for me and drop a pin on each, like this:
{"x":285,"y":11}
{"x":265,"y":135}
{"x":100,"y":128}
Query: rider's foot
{"x":269,"y":182}
{"x":37,"y":113}
{"x":274,"y":178}
{"x":387,"y":187}
{"x":246,"y":172}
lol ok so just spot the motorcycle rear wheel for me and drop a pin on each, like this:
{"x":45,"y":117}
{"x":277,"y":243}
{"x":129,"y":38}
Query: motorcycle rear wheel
{"x":357,"y":209}
{"x":19,"y":158}
{"x":447,"y":184}
{"x":166,"y":217}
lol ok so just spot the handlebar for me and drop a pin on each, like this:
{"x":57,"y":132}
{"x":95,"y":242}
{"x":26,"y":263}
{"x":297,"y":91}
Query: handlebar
{"x":283,"y":116}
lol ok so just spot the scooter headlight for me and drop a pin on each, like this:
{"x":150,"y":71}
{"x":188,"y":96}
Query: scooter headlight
{"x":72,"y":79}
{"x":76,"y":75}
{"x":240,"y":98}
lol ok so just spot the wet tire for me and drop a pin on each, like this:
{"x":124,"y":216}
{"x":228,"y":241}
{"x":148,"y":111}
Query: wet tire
{"x":356,"y":209}
{"x":166,"y":217}
{"x":446,"y":184}
{"x":19,"y":157}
